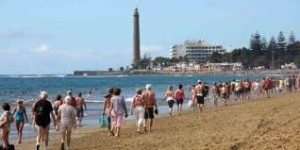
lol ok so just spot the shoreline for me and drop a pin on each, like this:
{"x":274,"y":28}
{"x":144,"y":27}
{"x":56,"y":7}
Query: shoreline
{"x":149,"y":72}
{"x":92,"y":137}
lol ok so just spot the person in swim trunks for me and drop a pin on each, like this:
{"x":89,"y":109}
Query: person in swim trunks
{"x":199,"y":95}
{"x":57,"y":103}
{"x":150,"y":107}
{"x":79,"y":108}
{"x":42,"y":110}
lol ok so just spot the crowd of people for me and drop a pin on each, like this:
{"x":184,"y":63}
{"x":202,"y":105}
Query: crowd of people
{"x":66,"y":115}
{"x":67,"y":112}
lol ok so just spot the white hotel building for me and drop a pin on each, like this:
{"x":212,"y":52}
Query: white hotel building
{"x":196,"y":51}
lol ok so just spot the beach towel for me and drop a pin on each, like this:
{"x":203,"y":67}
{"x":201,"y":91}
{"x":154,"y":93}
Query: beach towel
{"x":103,"y":121}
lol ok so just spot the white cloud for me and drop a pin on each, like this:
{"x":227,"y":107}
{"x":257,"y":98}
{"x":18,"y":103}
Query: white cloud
{"x":154,"y":50}
{"x":43,"y":59}
{"x":42,"y":49}
{"x":151,"y":48}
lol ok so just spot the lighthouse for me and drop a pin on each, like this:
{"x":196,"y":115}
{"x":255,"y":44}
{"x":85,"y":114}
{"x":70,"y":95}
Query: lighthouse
{"x":136,"y":40}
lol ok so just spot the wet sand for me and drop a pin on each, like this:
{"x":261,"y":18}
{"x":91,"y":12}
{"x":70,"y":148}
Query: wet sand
{"x":272,"y":123}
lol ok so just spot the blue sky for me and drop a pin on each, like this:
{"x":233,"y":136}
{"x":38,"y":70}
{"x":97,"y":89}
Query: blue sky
{"x":59,"y":36}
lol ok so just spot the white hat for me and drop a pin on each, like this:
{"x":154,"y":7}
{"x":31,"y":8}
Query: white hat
{"x":148,"y":86}
{"x":69,"y":92}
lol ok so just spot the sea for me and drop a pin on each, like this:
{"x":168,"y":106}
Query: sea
{"x":93,"y":88}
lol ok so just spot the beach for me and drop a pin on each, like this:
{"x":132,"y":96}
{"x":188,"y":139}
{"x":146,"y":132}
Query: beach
{"x":271,"y":123}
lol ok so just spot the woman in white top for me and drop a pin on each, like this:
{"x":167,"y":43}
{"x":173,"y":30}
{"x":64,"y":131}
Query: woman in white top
{"x":138,"y":107}
{"x":5,"y":120}
{"x":169,"y":96}
{"x":118,"y":108}
{"x":67,"y":116}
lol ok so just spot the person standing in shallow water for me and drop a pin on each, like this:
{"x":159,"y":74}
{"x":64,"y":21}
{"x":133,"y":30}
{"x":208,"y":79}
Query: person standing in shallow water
{"x":57,"y":103}
{"x":199,"y":95}
{"x":20,"y":116}
{"x":138,"y":108}
{"x":169,"y":96}
{"x":119,"y":109}
{"x":80,"y":102}
{"x":150,"y":107}
{"x":179,"y":94}
{"x":215,"y":93}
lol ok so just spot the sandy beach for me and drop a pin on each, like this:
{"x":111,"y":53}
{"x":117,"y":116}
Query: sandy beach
{"x":259,"y":124}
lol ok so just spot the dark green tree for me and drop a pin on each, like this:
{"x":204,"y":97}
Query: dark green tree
{"x":121,"y":68}
{"x":216,"y":57}
{"x":271,"y":52}
{"x":145,"y":61}
{"x":281,"y":43}
{"x":256,"y":43}
{"x":162,"y":61}
{"x":264,"y":44}
{"x":292,"y":38}
{"x":272,"y":45}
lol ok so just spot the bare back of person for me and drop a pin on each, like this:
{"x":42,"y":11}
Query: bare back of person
{"x":149,"y":99}
{"x":79,"y":101}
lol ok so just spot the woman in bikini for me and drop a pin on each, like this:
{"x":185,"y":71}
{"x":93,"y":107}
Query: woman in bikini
{"x":179,"y":95}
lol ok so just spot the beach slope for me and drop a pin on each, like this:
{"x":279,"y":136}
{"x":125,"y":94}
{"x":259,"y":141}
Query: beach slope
{"x":272,"y":123}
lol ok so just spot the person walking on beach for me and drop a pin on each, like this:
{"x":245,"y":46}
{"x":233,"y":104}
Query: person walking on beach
{"x":169,"y":96}
{"x":224,"y":94}
{"x":42,"y":111}
{"x":106,"y":106}
{"x":179,"y":95}
{"x":80,"y":102}
{"x":20,"y":115}
{"x":57,"y":103}
{"x":268,"y":86}
{"x":138,"y":108}
{"x":199,"y":95}
{"x":150,"y":107}
{"x":215,"y":93}
{"x":192,"y":102}
{"x":118,"y":108}
{"x":69,"y":93}
{"x":247,"y":89}
{"x":280,"y":85}
{"x":67,"y":116}
{"x":5,"y":120}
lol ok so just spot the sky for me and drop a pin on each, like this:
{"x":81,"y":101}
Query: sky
{"x":60,"y":36}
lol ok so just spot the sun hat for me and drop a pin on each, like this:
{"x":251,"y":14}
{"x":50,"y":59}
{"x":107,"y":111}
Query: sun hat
{"x":148,"y":86}
{"x":69,"y":92}
{"x":199,"y":81}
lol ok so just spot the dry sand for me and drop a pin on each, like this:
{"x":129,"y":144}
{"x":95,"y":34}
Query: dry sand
{"x":261,"y":124}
